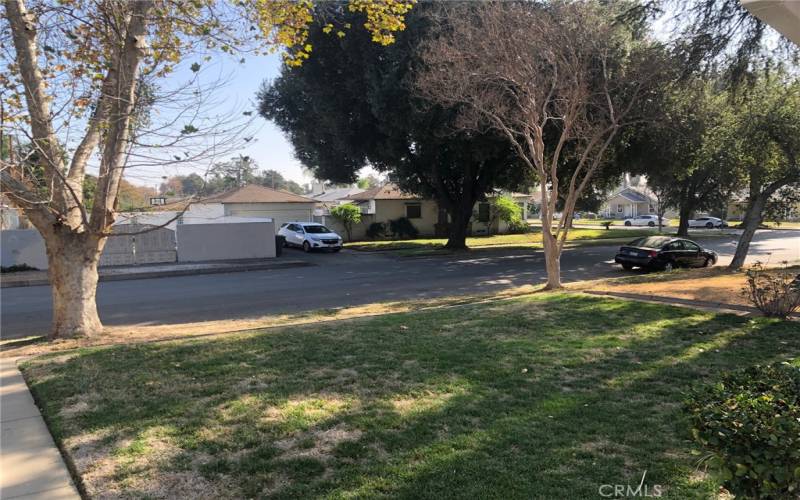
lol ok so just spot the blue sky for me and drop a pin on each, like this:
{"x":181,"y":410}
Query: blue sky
{"x":269,"y":148}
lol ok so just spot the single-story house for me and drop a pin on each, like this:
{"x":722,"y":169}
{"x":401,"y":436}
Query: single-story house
{"x":253,"y":201}
{"x":628,"y":202}
{"x":389,"y":202}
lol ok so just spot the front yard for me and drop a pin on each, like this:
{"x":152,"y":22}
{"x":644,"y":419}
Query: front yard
{"x":541,"y":396}
{"x":527,"y":240}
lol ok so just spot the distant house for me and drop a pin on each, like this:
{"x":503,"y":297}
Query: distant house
{"x":628,"y":202}
{"x":249,"y":203}
{"x":389,"y":202}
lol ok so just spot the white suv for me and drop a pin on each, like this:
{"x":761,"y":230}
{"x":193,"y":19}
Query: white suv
{"x":310,"y":236}
{"x":645,"y":220}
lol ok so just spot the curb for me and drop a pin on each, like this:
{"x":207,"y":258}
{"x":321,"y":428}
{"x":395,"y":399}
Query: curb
{"x":171,"y":273}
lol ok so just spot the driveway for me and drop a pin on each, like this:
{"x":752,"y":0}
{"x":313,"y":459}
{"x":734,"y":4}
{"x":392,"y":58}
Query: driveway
{"x":346,"y":278}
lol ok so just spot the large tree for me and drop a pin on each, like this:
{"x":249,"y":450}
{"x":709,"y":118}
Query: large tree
{"x":559,"y":80}
{"x":81,"y":77}
{"x":765,"y":136}
{"x":682,"y":149}
{"x":354,"y":104}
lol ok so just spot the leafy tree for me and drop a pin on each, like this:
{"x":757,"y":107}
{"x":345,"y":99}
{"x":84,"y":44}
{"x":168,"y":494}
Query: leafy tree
{"x":192,"y":184}
{"x":340,"y":120}
{"x":504,"y":208}
{"x":275,"y":180}
{"x":683,"y":151}
{"x":348,"y":215}
{"x":764,"y":135}
{"x":90,"y":70}
{"x":368,"y":182}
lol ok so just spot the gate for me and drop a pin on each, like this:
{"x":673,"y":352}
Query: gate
{"x":151,"y":247}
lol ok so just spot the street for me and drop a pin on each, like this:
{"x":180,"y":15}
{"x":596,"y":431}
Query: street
{"x":347,"y":278}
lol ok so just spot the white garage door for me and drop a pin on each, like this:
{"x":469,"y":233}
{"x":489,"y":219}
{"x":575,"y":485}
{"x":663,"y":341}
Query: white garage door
{"x":279,"y":216}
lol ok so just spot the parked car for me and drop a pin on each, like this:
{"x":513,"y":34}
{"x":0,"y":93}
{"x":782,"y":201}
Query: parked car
{"x":664,"y":253}
{"x":310,"y":236}
{"x":645,"y":220}
{"x":709,"y":222}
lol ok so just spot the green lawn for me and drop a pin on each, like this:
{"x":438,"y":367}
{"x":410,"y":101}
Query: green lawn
{"x":528,"y":240}
{"x":545,"y":396}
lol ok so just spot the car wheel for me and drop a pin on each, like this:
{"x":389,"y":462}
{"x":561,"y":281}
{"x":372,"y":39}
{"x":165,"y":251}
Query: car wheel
{"x":627,"y":267}
{"x":651,"y":224}
{"x":306,"y":246}
{"x":708,"y":263}
{"x":627,"y":223}
{"x":710,"y":225}
{"x":669,"y":267}
{"x":336,"y":250}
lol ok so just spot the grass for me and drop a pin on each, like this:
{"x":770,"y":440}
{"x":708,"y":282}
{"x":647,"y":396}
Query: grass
{"x":543,"y":396}
{"x":527,"y":240}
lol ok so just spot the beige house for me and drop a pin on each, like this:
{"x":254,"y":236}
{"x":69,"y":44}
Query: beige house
{"x":388,"y":202}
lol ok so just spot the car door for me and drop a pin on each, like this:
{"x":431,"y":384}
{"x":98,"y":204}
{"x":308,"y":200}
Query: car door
{"x":673,"y":252}
{"x":692,"y":254}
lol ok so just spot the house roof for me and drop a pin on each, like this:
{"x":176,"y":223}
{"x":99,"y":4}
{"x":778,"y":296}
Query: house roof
{"x":388,"y":191}
{"x":337,"y":194}
{"x":253,"y":193}
{"x":633,"y":195}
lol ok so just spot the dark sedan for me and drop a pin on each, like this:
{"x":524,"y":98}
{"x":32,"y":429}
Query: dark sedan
{"x":664,"y":253}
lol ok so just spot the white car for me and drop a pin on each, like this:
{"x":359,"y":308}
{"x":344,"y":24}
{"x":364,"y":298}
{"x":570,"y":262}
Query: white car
{"x":645,"y":220}
{"x":310,"y":236}
{"x":709,"y":222}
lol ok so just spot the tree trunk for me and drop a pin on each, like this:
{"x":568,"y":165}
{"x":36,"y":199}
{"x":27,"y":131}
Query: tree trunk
{"x":457,"y":231}
{"x":73,"y":260}
{"x":685,"y":213}
{"x":751,"y":221}
{"x":552,"y":260}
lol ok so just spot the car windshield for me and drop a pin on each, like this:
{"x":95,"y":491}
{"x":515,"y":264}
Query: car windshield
{"x":316,"y":229}
{"x":649,"y":242}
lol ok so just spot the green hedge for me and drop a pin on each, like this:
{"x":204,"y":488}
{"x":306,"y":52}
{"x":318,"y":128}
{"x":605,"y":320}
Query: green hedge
{"x":749,"y":422}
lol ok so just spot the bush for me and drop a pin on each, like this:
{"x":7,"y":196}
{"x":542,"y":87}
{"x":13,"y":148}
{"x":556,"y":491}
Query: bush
{"x":750,"y":424}
{"x":607,"y":224}
{"x":775,"y":293}
{"x":347,"y":214}
{"x":402,"y":228}
{"x":376,"y":230}
{"x":517,"y":227}
{"x":504,"y":208}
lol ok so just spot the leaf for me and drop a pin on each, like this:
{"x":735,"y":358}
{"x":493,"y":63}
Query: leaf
{"x":189,"y":129}
{"x":195,"y":67}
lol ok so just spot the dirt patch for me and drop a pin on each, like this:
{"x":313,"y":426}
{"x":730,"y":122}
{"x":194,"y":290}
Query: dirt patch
{"x":722,"y":289}
{"x":324,"y":441}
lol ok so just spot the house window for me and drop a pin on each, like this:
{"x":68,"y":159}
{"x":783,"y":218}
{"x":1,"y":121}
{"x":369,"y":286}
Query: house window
{"x":652,"y":208}
{"x":483,"y":212}
{"x":413,"y":211}
{"x":619,"y":208}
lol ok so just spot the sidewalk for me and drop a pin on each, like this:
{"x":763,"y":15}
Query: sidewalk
{"x":31,"y":466}
{"x":118,"y":273}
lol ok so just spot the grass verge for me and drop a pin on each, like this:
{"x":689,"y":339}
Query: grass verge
{"x":543,"y":396}
{"x":527,"y":240}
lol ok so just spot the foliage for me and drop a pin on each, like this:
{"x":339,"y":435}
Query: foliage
{"x":774,"y":292}
{"x":376,"y":230}
{"x":348,"y":215}
{"x":506,"y":209}
{"x":402,"y":228}
{"x":749,"y":421}
{"x":340,"y":121}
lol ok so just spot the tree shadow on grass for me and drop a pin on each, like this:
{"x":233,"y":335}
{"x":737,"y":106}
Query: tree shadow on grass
{"x":536,"y":398}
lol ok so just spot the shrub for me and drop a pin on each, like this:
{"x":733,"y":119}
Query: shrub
{"x":376,"y":230}
{"x":517,"y":227}
{"x":347,"y":214}
{"x":775,"y":293}
{"x":504,"y":208}
{"x":750,"y":424}
{"x":402,"y":228}
{"x":607,"y":224}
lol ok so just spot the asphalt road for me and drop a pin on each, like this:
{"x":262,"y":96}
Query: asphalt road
{"x":347,"y":278}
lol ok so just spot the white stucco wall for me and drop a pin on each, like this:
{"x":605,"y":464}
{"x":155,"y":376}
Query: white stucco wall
{"x":22,"y":246}
{"x":226,"y":241}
